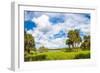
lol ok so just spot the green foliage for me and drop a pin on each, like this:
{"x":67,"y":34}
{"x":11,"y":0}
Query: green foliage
{"x":82,"y":56}
{"x":69,"y":43}
{"x":86,"y":43}
{"x":39,"y":57}
{"x":74,"y":38}
{"x":33,"y":52}
{"x":29,"y":43}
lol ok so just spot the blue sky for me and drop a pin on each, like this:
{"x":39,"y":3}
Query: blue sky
{"x":50,"y":29}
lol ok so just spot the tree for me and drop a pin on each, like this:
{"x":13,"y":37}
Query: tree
{"x":29,"y":43}
{"x":86,"y":43}
{"x":69,"y":43}
{"x":78,"y":38}
{"x":71,"y":36}
{"x":74,"y":38}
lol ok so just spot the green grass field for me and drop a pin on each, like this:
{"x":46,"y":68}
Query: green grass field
{"x":57,"y":56}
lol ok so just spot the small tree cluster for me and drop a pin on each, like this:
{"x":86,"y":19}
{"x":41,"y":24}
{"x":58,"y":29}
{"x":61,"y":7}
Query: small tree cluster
{"x":74,"y":40}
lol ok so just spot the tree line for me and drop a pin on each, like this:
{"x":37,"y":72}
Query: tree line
{"x":74,"y":41}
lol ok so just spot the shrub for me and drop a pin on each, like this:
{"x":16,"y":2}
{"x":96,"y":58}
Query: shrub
{"x":33,"y":53}
{"x":27,"y":57}
{"x":35,"y":57}
{"x":82,"y":56}
{"x":39,"y":57}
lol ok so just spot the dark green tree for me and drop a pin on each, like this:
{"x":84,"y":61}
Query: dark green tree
{"x":74,"y":38}
{"x":69,"y":43}
{"x":86,"y":43}
{"x":78,"y":39}
{"x":29,"y":43}
{"x":71,"y":36}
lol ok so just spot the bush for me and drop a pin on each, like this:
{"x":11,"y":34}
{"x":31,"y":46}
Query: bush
{"x":35,"y":57}
{"x":27,"y":57}
{"x":82,"y":56}
{"x":33,"y":53}
{"x":39,"y":57}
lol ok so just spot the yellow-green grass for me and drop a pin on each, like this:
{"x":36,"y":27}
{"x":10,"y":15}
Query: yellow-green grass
{"x":59,"y":55}
{"x":64,"y":55}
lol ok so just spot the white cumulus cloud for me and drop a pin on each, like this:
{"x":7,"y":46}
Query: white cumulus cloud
{"x":45,"y":29}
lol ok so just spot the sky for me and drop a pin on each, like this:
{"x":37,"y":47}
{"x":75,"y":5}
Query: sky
{"x":50,"y":29}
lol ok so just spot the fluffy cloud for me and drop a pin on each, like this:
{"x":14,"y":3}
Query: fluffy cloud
{"x":46,"y":31}
{"x":43,"y":23}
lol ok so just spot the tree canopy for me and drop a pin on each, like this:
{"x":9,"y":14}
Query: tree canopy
{"x":74,"y":38}
{"x":29,"y":43}
{"x":86,"y":43}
